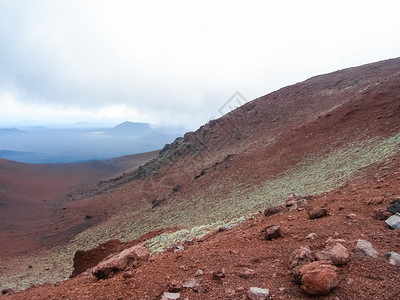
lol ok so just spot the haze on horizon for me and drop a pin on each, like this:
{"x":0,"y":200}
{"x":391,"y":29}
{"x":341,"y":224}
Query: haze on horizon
{"x":174,"y":62}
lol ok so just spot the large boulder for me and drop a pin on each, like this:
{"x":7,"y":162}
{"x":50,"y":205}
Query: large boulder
{"x":335,"y":252}
{"x":394,"y":221}
{"x":318,"y":278}
{"x":364,"y":249}
{"x":299,"y":258}
{"x":129,"y":257}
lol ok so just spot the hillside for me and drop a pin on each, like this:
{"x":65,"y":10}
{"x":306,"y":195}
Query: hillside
{"x":37,"y":209}
{"x":333,"y":137}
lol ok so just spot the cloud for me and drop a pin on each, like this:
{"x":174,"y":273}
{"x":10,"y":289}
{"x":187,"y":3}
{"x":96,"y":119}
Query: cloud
{"x":177,"y":61}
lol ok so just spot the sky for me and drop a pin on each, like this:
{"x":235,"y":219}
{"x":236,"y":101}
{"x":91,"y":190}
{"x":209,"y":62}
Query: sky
{"x":174,"y":62}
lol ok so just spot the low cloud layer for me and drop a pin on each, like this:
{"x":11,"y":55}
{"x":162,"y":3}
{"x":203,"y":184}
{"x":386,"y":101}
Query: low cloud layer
{"x":174,"y":62}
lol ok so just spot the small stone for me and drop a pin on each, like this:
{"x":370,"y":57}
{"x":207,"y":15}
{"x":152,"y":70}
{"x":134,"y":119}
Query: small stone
{"x":394,"y":207}
{"x":394,"y":221}
{"x":247,"y":273}
{"x":271,"y":211}
{"x":170,"y":296}
{"x":351,"y":216}
{"x":230,"y":292}
{"x":199,"y":272}
{"x":273,"y":231}
{"x":219,"y":274}
{"x":364,"y":249}
{"x":256,"y":293}
{"x":311,"y":236}
{"x":174,"y":286}
{"x":394,"y":258}
{"x":317,"y":213}
{"x":318,"y":278}
{"x":127,"y":275}
{"x":380,"y":214}
{"x":191,"y":283}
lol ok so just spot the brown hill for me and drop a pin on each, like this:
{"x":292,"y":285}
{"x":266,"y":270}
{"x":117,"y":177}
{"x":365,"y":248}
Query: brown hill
{"x":334,"y":137}
{"x":37,"y":207}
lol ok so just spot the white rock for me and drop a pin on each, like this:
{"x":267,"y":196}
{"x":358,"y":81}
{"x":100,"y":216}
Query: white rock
{"x":394,"y":258}
{"x":170,"y":296}
{"x":256,"y":293}
{"x":365,"y":249}
{"x":311,"y":236}
{"x":394,"y":221}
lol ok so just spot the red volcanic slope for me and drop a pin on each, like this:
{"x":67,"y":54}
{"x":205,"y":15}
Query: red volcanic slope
{"x":34,"y":200}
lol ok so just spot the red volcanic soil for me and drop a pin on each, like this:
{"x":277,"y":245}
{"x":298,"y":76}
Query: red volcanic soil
{"x":350,"y":217}
{"x":37,"y":208}
{"x":333,"y":137}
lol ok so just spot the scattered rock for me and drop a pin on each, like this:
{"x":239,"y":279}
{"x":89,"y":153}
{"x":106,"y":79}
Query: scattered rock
{"x":191,"y":283}
{"x":271,"y":211}
{"x":199,"y":272}
{"x":364,"y":249}
{"x":394,"y":258}
{"x":311,"y":236}
{"x":394,"y":221}
{"x":256,"y":293}
{"x":317,"y":212}
{"x":351,"y":216}
{"x":247,"y":273}
{"x":170,"y":296}
{"x":299,"y":258}
{"x":394,"y":207}
{"x":335,"y":252}
{"x":291,"y":200}
{"x":272,"y":232}
{"x":127,"y":275}
{"x":318,"y":278}
{"x":381,"y":214}
{"x":128,"y":257}
{"x":219,"y":274}
{"x":174,"y":286}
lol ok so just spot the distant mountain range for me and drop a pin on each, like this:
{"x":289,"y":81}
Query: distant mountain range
{"x":130,"y":128}
{"x":67,"y":145}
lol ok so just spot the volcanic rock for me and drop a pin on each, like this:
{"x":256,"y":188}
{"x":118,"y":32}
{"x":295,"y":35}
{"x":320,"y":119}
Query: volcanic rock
{"x":271,"y":211}
{"x":337,"y":253}
{"x":272,"y":232}
{"x":317,"y":212}
{"x":299,"y":258}
{"x":219,"y":274}
{"x":247,"y":273}
{"x":174,"y":286}
{"x":394,"y":207}
{"x":394,"y":221}
{"x":364,"y":249}
{"x":128,"y":257}
{"x":318,"y":278}
{"x":311,"y":236}
{"x":256,"y":293}
{"x":170,"y":296}
{"x":394,"y":258}
{"x":380,"y":214}
{"x":191,"y":283}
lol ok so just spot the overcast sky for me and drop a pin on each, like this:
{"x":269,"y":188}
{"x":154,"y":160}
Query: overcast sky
{"x":174,"y":62}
